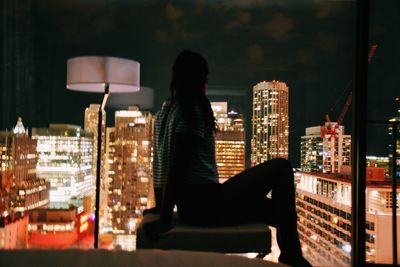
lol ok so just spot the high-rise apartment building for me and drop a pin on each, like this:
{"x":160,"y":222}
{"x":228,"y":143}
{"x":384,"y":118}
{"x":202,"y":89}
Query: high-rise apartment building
{"x":130,"y":170}
{"x":323,"y":203}
{"x":230,"y":141}
{"x":270,"y":121}
{"x":65,"y":158}
{"x":325,"y":152}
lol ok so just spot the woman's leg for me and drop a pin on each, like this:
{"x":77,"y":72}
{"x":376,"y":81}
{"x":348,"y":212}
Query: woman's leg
{"x":245,"y":200}
{"x":158,"y":195}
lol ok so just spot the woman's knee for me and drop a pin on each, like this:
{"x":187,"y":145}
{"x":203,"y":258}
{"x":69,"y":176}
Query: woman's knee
{"x":282,"y":167}
{"x":281,"y":162}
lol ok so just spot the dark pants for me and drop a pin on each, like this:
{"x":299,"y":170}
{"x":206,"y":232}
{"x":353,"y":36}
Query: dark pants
{"x":243,"y":199}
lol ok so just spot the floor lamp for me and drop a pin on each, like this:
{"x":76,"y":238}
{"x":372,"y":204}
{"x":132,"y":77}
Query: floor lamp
{"x":97,"y":74}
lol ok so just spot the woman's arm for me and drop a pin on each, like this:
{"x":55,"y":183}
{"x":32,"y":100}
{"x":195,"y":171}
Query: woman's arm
{"x":185,"y":148}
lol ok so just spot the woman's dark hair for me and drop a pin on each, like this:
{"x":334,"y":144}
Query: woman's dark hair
{"x":189,"y":76}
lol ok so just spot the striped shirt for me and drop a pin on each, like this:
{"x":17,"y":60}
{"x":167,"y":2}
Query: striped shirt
{"x":169,"y":121}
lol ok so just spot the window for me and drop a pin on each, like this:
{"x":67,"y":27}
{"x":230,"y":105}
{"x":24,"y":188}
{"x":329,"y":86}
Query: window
{"x":309,"y":45}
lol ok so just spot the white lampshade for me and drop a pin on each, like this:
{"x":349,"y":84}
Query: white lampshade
{"x":92,"y":73}
{"x":144,"y":99}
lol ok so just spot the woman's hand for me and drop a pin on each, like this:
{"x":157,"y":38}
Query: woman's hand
{"x":154,"y":229}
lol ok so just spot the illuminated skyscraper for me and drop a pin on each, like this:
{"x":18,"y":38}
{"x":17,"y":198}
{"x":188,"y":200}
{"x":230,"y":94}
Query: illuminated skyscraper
{"x":230,"y":142}
{"x":91,"y":125}
{"x":325,"y":152}
{"x":129,"y":183}
{"x":65,"y":157}
{"x":270,"y":121}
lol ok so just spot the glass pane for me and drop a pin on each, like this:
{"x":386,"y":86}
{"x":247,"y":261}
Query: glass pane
{"x":383,"y":107}
{"x":276,"y":69}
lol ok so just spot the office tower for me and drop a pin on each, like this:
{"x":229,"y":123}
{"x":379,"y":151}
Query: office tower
{"x":230,"y":142}
{"x":65,"y":158}
{"x":270,"y":121}
{"x":323,"y":204}
{"x":129,"y":184}
{"x":394,"y":149}
{"x":325,"y":152}
{"x":91,"y":125}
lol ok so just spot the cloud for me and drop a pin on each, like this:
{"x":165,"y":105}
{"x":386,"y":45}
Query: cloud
{"x":162,"y":35}
{"x":306,"y":56}
{"x":255,"y":53}
{"x":278,"y":27}
{"x":327,"y":41}
{"x":242,"y":18}
{"x":172,"y":12}
{"x":175,"y":33}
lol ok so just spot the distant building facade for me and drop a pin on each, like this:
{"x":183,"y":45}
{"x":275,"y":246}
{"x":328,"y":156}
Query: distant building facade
{"x":379,"y":162}
{"x":325,"y":152}
{"x":270,"y":121}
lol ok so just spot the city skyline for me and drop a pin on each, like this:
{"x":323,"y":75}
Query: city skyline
{"x":128,"y":143}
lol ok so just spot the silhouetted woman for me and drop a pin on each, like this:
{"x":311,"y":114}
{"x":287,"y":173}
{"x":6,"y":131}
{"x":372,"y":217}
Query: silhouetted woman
{"x":185,"y":172}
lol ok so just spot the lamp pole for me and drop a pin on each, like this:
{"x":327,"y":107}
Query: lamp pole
{"x":98,"y":170}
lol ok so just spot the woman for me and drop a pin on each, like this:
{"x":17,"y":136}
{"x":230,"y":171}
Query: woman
{"x":185,"y":171}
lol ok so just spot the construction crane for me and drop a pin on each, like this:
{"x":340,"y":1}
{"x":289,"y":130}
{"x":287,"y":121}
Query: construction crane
{"x":328,"y":129}
{"x":332,"y":129}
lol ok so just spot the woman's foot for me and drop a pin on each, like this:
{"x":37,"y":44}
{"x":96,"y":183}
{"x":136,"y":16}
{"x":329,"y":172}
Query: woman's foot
{"x":295,"y":261}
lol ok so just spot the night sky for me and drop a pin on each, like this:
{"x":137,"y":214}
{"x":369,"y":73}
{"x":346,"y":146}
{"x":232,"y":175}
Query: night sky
{"x":307,"y":44}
